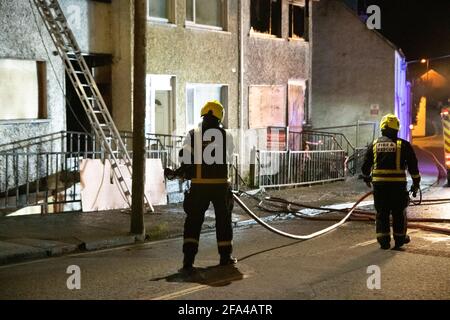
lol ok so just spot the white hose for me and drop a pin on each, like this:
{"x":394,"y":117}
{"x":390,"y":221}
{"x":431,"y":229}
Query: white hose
{"x":299,"y":237}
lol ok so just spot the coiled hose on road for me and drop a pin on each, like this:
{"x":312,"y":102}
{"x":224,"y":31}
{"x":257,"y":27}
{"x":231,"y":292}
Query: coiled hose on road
{"x":358,"y":215}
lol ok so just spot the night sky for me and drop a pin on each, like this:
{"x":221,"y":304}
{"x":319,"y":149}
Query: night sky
{"x":420,"y":28}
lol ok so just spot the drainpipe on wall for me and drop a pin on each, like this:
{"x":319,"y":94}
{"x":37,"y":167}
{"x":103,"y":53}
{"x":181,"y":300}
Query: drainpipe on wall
{"x":241,"y":87}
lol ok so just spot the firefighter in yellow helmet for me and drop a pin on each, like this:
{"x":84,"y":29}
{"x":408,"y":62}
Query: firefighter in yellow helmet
{"x":206,"y":153}
{"x":385,"y":165}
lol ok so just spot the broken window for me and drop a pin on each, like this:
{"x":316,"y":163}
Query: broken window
{"x":298,"y":21}
{"x":206,"y":12}
{"x":265,"y":17}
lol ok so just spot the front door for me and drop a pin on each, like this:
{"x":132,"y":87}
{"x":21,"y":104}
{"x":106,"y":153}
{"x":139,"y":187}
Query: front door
{"x":159,"y":104}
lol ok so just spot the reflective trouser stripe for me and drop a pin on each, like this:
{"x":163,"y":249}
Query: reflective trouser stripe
{"x":225,"y":243}
{"x":381,"y":235}
{"x":191,"y":240}
{"x":400,"y":234}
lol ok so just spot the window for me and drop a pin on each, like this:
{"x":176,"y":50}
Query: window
{"x":23,"y":92}
{"x":210,"y":13}
{"x":196,"y":97}
{"x":161,"y":10}
{"x":297,"y":18}
{"x":265,"y":17}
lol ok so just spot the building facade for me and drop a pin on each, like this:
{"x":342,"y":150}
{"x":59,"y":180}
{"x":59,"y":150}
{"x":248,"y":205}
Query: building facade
{"x":357,"y":75}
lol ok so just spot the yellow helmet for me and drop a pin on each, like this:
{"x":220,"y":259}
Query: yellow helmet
{"x":390,"y":121}
{"x":216,"y":109}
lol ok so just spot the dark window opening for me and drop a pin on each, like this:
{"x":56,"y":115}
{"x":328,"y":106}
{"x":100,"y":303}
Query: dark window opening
{"x":296,"y":22}
{"x":265,"y":16}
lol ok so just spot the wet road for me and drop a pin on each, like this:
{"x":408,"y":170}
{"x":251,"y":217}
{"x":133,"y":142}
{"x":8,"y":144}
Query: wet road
{"x":333,"y":266}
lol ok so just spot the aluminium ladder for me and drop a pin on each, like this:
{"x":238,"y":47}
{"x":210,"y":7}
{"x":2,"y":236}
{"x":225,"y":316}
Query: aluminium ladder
{"x":87,"y":90}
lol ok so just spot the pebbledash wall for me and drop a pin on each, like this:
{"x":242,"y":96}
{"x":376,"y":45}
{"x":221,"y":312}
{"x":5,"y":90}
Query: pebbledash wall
{"x":272,"y":61}
{"x":355,"y":70}
{"x":20,"y":40}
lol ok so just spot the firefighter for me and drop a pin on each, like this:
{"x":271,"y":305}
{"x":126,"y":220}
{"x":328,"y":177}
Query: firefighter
{"x":204,"y":157}
{"x":385,"y":165}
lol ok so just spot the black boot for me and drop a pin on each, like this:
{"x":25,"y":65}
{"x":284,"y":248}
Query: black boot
{"x":227,"y":259}
{"x":400,"y":243}
{"x":188,"y":264}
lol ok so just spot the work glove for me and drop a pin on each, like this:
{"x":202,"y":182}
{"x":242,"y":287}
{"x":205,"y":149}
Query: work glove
{"x":368,"y":181}
{"x":414,"y":189}
{"x":169,"y":173}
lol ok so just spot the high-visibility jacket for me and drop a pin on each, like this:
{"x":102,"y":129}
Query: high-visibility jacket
{"x":387,"y":161}
{"x":194,"y":157}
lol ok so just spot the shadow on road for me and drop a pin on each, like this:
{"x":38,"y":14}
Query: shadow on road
{"x":213,"y":276}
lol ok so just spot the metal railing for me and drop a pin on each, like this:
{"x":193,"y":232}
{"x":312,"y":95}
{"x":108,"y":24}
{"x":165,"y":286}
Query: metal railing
{"x":45,"y":170}
{"x":293,"y":168}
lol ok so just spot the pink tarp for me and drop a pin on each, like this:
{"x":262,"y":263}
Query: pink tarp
{"x":100,"y":191}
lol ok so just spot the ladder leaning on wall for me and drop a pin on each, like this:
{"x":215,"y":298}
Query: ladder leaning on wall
{"x":88,"y":92}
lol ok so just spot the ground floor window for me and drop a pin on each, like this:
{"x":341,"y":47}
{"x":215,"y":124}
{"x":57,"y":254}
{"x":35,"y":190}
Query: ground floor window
{"x":23,"y":89}
{"x":196,"y":97}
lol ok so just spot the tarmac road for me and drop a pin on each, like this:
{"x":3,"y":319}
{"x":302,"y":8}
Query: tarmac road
{"x":334,"y":266}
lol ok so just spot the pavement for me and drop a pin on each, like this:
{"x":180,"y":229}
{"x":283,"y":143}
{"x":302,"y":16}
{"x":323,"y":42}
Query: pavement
{"x":25,"y":238}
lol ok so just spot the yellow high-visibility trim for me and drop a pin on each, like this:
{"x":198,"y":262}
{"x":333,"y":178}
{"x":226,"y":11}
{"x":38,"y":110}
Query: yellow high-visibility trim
{"x":209,"y":181}
{"x":379,"y":235}
{"x":224,"y":243}
{"x":389,"y":179}
{"x":388,"y":171}
{"x":398,"y":154}
{"x":400,"y":234}
{"x":446,"y":131}
{"x":199,"y":171}
{"x":447,"y":140}
{"x":415,"y":176}
{"x":191,"y":240}
{"x":375,"y":164}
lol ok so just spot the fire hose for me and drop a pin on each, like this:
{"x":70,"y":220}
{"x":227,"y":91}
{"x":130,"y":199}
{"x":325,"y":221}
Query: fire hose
{"x":358,"y":215}
{"x":299,"y":237}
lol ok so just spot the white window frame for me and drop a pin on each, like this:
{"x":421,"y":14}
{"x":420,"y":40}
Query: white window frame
{"x":223,"y":94}
{"x":224,"y":15}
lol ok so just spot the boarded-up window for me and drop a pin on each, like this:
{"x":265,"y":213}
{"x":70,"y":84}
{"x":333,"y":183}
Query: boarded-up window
{"x":267,"y":106}
{"x":22,"y":89}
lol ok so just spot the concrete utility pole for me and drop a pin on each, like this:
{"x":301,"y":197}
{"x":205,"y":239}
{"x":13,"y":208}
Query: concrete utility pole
{"x":139,"y":97}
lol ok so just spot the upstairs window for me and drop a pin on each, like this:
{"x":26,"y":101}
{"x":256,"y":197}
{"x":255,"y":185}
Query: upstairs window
{"x":298,"y":21}
{"x":161,"y":10}
{"x":210,"y":13}
{"x":265,"y":17}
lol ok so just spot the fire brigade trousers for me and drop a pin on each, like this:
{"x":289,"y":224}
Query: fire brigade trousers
{"x":196,"y":202}
{"x":391,"y":199}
